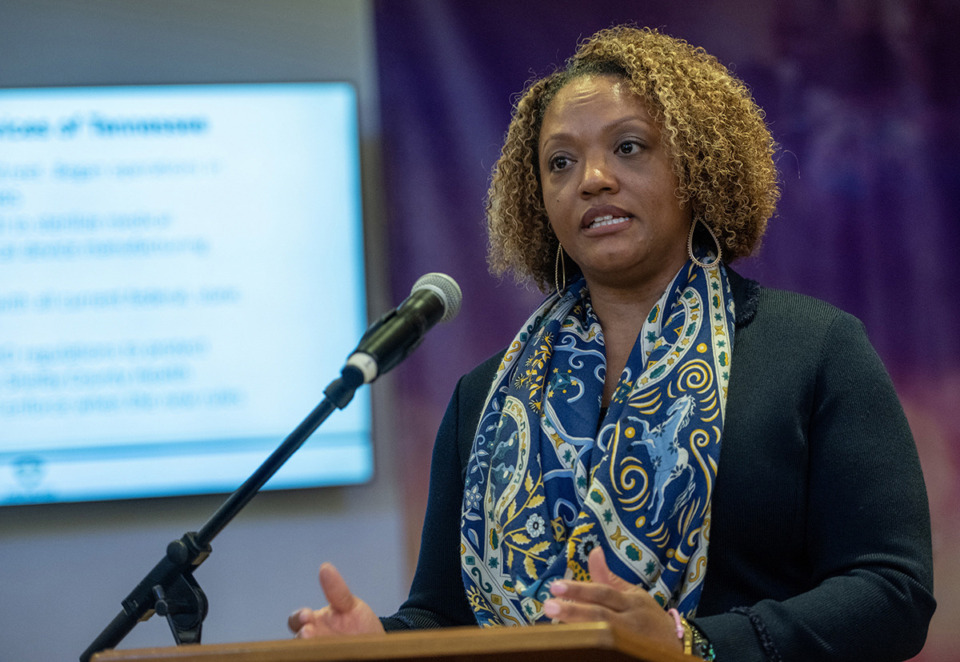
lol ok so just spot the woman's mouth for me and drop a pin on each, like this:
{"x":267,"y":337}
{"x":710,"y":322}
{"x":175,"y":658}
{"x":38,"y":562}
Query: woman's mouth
{"x":608,"y":219}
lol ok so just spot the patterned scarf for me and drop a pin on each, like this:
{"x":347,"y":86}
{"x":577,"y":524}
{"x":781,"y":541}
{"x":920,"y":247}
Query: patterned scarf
{"x":551,"y":476}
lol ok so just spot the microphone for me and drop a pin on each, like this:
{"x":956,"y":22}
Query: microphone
{"x":435,"y":297}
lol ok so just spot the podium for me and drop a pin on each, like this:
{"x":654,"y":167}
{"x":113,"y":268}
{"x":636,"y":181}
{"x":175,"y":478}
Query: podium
{"x":596,"y":642}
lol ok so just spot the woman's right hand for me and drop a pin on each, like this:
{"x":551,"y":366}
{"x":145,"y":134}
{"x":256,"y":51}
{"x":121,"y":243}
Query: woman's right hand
{"x":345,"y":613}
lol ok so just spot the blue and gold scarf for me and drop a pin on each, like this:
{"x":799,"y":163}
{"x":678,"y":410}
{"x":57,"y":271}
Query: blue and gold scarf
{"x":551,"y":476}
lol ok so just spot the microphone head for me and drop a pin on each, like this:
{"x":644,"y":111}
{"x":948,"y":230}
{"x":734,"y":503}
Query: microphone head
{"x":444,"y":287}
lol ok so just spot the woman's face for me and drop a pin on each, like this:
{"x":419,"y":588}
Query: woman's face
{"x":608,"y":185}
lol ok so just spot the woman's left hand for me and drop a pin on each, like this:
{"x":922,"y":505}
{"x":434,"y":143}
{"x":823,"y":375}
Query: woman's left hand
{"x":610,"y":598}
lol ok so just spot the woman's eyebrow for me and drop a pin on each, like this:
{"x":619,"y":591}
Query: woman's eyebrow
{"x":608,"y":127}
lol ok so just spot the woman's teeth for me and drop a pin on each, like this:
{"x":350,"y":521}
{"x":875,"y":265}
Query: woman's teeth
{"x":609,"y":219}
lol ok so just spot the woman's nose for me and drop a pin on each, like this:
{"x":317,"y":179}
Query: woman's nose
{"x":598,"y":176}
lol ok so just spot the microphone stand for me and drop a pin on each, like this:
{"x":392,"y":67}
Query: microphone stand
{"x":170,"y":589}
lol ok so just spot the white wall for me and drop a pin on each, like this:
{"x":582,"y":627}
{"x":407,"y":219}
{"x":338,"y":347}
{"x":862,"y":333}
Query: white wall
{"x":65,"y":568}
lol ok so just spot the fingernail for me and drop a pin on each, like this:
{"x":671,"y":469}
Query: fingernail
{"x":551,"y":608}
{"x":558,"y":588}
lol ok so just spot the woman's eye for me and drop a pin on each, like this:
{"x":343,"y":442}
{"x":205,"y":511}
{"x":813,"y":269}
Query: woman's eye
{"x":629,"y":147}
{"x":558,"y":163}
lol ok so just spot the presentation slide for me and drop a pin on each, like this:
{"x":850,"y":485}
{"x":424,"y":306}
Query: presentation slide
{"x":181,"y":274}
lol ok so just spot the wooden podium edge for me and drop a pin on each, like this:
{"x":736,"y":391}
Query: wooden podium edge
{"x":599,"y":642}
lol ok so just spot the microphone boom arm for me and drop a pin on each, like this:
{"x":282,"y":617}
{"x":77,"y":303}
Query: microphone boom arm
{"x":170,"y":589}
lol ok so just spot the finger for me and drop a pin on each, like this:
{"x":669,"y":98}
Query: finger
{"x":563,"y":611}
{"x":594,"y":593}
{"x":600,"y":572}
{"x":335,"y":589}
{"x":315,"y":623}
{"x":307,"y":632}
{"x":604,"y":588}
{"x":298,"y":618}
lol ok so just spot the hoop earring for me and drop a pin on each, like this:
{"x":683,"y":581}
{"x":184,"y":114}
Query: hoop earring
{"x":716,"y":242}
{"x":560,"y":266}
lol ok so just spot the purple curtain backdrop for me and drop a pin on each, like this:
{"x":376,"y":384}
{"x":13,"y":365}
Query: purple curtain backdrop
{"x":864,"y":99}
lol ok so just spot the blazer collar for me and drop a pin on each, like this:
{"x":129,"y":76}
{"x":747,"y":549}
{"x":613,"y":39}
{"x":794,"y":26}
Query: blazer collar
{"x":746,"y":296}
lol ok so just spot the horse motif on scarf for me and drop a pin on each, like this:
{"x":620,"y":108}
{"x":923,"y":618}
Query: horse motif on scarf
{"x":669,"y":461}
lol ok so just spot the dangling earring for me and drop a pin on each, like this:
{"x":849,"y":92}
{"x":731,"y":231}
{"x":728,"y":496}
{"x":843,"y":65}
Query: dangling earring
{"x":699,"y":263}
{"x":560,"y":271}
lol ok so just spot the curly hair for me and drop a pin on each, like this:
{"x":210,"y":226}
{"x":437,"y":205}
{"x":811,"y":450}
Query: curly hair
{"x":713,"y":132}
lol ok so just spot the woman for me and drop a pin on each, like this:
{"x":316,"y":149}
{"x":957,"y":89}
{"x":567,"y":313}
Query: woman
{"x":658,"y":402}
